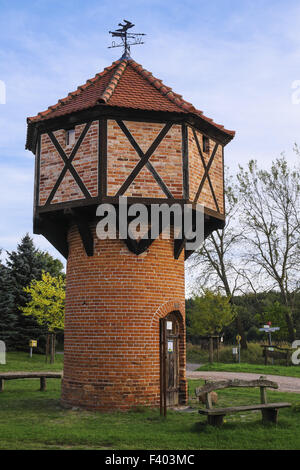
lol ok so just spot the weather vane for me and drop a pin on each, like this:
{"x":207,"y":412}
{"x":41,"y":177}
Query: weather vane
{"x":126,"y":38}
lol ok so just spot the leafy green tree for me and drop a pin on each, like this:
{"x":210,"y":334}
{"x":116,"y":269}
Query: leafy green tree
{"x":47,"y":304}
{"x":210,"y":314}
{"x":275,"y":312}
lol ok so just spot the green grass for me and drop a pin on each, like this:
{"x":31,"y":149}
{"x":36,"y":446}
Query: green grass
{"x":30,"y":419}
{"x":20,"y":361}
{"x":289,"y":371}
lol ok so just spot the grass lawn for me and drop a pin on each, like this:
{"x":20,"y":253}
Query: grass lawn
{"x":20,"y":361}
{"x":30,"y":419}
{"x":289,"y":371}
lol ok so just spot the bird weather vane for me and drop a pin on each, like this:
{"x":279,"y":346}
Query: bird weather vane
{"x":126,"y":37}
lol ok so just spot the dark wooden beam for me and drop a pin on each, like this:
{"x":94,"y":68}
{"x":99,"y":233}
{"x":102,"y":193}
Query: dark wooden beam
{"x":78,"y":217}
{"x":37,"y":175}
{"x":185,"y":162}
{"x":179,"y":245}
{"x":55,"y":230}
{"x":86,"y":236}
{"x":102,"y":160}
{"x":110,"y":112}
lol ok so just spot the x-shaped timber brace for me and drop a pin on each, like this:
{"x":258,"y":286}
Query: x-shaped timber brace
{"x":68,"y":164}
{"x":82,"y":222}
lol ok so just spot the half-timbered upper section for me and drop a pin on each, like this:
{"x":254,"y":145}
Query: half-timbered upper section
{"x":123,"y":133}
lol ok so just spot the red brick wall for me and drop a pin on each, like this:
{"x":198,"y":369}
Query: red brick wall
{"x":114,"y":301}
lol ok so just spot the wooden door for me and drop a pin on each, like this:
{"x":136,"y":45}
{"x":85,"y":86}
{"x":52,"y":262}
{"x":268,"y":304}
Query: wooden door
{"x":170,"y":359}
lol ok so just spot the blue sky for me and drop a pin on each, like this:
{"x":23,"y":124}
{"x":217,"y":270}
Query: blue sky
{"x":234,"y":60}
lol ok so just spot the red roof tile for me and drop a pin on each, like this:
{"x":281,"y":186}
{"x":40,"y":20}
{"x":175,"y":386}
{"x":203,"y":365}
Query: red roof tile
{"x":124,"y":84}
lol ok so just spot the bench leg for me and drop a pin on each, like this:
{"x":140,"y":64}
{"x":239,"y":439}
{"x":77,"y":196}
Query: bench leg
{"x":215,"y":420}
{"x":270,"y":415}
{"x":43,"y":386}
{"x":1,"y":385}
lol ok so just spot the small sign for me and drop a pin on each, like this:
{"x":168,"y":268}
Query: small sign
{"x":33,"y":343}
{"x":234,"y":351}
{"x":238,"y":338}
{"x":271,"y":349}
{"x":170,"y":346}
{"x":169,"y":325}
{"x":266,"y":326}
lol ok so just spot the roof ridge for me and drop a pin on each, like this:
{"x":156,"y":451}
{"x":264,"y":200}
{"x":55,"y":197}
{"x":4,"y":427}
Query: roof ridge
{"x":164,"y":90}
{"x":172,"y":96}
{"x":117,"y":69}
{"x":71,"y":95}
{"x":106,"y":95}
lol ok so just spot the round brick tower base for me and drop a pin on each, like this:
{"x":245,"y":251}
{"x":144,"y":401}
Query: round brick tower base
{"x":114,"y":301}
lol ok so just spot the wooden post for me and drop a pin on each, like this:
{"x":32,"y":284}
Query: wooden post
{"x":211,"y":350}
{"x":218,"y":338}
{"x":161,"y":366}
{"x":215,"y":420}
{"x":270,"y":415}
{"x":266,"y":357}
{"x":43,"y":382}
{"x":165,"y":369}
{"x":1,"y":385}
{"x":208,"y":401}
{"x":47,"y":346}
{"x":52,"y":348}
{"x":163,"y":372}
{"x":263,"y":395}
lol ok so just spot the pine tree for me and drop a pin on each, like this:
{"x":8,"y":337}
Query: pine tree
{"x":7,"y":316}
{"x":24,"y":265}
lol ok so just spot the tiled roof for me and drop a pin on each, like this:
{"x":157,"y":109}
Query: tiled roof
{"x":124,"y":84}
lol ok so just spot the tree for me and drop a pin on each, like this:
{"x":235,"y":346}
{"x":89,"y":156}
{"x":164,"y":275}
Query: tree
{"x":24,"y":266}
{"x":218,"y":262}
{"x":49,"y":264}
{"x":211,"y":313}
{"x":275,"y":313}
{"x":271,"y":228}
{"x":7,"y":315}
{"x":47,"y":304}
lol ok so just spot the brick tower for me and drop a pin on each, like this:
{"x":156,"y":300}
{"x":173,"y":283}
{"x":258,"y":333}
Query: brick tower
{"x":123,"y":133}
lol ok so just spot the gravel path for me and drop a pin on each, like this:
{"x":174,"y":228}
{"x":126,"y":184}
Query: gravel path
{"x":286,"y":384}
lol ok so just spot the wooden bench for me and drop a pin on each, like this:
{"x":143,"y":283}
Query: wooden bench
{"x":215,"y":415}
{"x":29,"y":375}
